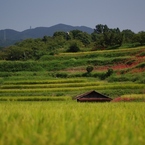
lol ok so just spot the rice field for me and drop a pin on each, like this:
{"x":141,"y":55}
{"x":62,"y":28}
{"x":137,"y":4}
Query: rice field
{"x":69,"y":123}
{"x":36,"y":108}
{"x":28,"y":117}
{"x":68,"y":87}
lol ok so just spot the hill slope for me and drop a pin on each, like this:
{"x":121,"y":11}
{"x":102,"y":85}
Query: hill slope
{"x":63,"y":76}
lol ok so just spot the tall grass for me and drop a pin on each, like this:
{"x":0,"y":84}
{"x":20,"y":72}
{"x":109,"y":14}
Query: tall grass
{"x":69,"y":123}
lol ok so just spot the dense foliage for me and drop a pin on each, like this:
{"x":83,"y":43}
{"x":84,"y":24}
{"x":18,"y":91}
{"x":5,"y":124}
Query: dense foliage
{"x":103,"y":37}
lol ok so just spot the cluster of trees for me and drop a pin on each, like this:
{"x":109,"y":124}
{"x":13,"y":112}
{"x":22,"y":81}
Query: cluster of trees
{"x":102,"y":37}
{"x":106,"y":37}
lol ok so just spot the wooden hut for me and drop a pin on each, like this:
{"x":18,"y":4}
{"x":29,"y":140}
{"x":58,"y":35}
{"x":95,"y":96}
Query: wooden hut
{"x":92,"y":96}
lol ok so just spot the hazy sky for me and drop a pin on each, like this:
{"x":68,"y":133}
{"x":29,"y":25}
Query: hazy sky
{"x":21,"y":14}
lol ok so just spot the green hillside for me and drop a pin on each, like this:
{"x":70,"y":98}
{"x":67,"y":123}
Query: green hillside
{"x":64,"y":75}
{"x":61,"y":66}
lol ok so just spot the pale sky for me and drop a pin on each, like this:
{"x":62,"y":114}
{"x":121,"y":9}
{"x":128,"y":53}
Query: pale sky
{"x":21,"y":14}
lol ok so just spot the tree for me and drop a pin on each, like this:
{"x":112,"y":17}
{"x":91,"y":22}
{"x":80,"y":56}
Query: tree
{"x":56,"y":42}
{"x":17,"y":53}
{"x":128,"y":36}
{"x":109,"y":72}
{"x":74,"y":46}
{"x":45,"y":39}
{"x":61,"y":34}
{"x":89,"y":69}
{"x":74,"y":33}
{"x":113,"y":37}
{"x":94,"y":37}
{"x":101,"y":29}
{"x":140,"y":37}
{"x":107,"y":37}
{"x":84,"y":37}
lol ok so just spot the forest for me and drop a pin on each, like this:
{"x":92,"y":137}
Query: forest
{"x":103,"y":38}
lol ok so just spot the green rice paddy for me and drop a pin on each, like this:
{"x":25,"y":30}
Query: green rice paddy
{"x":69,"y":123}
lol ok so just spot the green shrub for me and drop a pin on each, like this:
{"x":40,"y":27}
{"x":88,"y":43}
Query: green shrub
{"x":101,"y":75}
{"x":13,"y":66}
{"x":89,"y":69}
{"x":46,"y":58}
{"x":121,"y":78}
{"x":109,"y":72}
{"x":86,"y":74}
{"x":74,"y":47}
{"x":61,"y":75}
{"x":75,"y":75}
{"x":5,"y":74}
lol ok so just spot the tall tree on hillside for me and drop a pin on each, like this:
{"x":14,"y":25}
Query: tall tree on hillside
{"x":128,"y":36}
{"x":45,"y":39}
{"x":100,"y":29}
{"x":140,"y":37}
{"x":113,"y":37}
{"x":108,"y":37}
{"x":60,"y":33}
{"x":84,"y":37}
{"x":74,"y":33}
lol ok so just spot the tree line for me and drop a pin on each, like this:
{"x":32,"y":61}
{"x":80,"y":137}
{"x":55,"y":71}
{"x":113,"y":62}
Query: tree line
{"x":103,"y":37}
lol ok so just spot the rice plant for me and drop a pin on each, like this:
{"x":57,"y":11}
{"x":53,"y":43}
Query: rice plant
{"x":70,"y":123}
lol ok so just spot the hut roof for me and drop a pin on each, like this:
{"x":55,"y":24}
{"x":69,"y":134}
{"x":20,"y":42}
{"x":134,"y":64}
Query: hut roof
{"x":93,"y":91}
{"x":92,"y":96}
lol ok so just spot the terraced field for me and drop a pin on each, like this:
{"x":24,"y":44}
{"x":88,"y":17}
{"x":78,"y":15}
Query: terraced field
{"x":63,"y":89}
{"x":64,"y":75}
{"x":120,"y":59}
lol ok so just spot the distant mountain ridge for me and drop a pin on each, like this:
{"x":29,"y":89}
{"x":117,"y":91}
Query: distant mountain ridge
{"x":9,"y":36}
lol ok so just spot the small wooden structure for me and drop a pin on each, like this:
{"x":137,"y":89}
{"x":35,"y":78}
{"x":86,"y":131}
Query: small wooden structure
{"x":92,"y":96}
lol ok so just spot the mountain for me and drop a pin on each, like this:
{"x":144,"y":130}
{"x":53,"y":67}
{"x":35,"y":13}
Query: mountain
{"x":9,"y":36}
